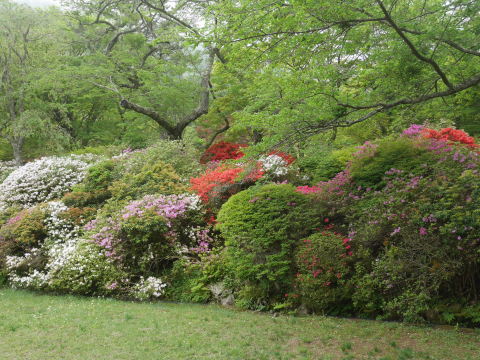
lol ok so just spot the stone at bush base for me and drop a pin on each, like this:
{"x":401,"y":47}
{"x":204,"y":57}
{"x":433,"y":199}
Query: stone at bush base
{"x":228,"y":301}
{"x":222,"y":294}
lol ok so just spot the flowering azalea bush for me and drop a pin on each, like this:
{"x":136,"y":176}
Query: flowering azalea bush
{"x":415,"y":224}
{"x":24,"y":230}
{"x":323,"y":272}
{"x":449,"y":135}
{"x":44,"y":180}
{"x":149,"y":288}
{"x":62,"y":261}
{"x":276,"y":163}
{"x":217,"y":184}
{"x":222,"y":151}
{"x":404,"y":246}
{"x":147,"y":235}
{"x":83,"y":269}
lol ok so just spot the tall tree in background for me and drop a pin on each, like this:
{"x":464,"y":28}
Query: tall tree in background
{"x":29,"y":45}
{"x":153,"y":55}
{"x":308,"y":66}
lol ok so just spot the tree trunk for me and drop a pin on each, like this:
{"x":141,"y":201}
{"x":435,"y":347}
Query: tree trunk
{"x":17,"y":146}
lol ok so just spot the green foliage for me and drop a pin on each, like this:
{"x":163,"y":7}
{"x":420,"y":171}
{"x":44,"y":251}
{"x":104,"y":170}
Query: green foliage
{"x":193,"y":280}
{"x":24,"y":231}
{"x":99,"y":176}
{"x":129,"y":178}
{"x":188,"y":283}
{"x":261,"y":226}
{"x":94,"y":190}
{"x":283,"y":67}
{"x":158,"y":178}
{"x":105,"y":150}
{"x":324,"y":165}
{"x":324,"y":270}
{"x":182,"y":156}
{"x":86,"y":199}
{"x":400,"y":154}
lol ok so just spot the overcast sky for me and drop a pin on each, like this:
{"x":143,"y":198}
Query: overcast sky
{"x":39,"y":2}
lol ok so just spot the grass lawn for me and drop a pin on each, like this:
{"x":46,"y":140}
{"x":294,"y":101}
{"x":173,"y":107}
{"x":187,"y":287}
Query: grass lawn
{"x":44,"y":327}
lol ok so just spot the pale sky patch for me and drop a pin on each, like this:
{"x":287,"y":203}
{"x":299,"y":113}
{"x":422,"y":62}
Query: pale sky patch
{"x":39,"y":3}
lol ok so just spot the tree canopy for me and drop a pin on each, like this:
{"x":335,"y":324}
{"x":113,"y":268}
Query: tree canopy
{"x":98,"y":72}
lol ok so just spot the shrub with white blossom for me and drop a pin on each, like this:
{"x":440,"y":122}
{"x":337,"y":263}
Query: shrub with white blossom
{"x":150,"y":288}
{"x":43,"y":180}
{"x":64,"y":261}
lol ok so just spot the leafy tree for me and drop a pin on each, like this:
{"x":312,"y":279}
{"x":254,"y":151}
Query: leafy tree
{"x":308,"y":66}
{"x":152,"y":55}
{"x":29,"y":48}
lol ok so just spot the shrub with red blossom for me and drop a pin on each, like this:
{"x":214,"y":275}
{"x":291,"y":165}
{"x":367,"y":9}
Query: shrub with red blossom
{"x":216,"y":185}
{"x":223,"y":151}
{"x":450,"y":135}
{"x":207,"y":185}
{"x":323,"y":263}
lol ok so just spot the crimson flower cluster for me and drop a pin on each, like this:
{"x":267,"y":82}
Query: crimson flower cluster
{"x":222,"y":151}
{"x":451,"y":135}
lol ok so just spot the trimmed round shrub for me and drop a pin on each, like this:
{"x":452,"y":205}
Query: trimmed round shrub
{"x":261,"y":226}
{"x":324,"y":268}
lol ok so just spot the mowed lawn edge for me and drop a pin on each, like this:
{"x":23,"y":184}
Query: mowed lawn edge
{"x":37,"y":326}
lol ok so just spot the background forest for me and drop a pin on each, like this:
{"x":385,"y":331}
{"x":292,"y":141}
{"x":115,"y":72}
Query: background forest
{"x":302,"y":155}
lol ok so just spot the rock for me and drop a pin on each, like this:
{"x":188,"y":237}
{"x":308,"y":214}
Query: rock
{"x":222,"y":294}
{"x":228,"y":301}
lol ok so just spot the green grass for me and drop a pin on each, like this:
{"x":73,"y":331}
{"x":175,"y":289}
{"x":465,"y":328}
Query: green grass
{"x":44,"y":327}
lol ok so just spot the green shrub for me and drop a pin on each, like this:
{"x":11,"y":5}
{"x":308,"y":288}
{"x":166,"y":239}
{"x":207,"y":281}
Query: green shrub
{"x":109,"y":150}
{"x":146,"y":248}
{"x":94,"y":190}
{"x":324,"y":269}
{"x":159,"y":178}
{"x":193,"y":280}
{"x":400,"y":154}
{"x":181,"y":156}
{"x":261,"y":226}
{"x":100,"y":176}
{"x":404,"y":279}
{"x":324,"y":165}
{"x":23,"y":231}
{"x":187,"y":283}
{"x":82,"y":199}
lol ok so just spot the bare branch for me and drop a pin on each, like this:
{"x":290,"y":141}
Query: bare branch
{"x":218,"y":132}
{"x":412,"y":47}
{"x":204,"y":101}
{"x":152,"y":114}
{"x":117,"y":37}
{"x":171,"y":17}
